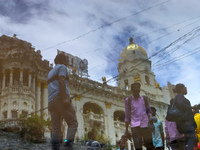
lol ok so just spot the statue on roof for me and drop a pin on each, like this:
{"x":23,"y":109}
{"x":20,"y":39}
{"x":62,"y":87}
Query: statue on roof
{"x":131,"y":40}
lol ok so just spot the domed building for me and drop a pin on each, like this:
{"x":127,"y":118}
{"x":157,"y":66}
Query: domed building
{"x":134,"y":66}
{"x":23,"y":89}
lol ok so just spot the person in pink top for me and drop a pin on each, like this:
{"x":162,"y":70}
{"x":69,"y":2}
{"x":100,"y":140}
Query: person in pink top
{"x":174,"y":139}
{"x":138,"y":118}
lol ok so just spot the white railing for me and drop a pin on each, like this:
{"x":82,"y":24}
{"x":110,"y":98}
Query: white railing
{"x":119,"y":124}
{"x":12,"y":123}
{"x":93,"y":117}
{"x":94,"y":84}
{"x":16,"y":89}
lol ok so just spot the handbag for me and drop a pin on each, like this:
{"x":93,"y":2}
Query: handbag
{"x":174,"y":114}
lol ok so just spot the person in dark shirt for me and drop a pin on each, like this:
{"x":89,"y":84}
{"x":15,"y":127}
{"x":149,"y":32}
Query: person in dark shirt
{"x":187,"y":123}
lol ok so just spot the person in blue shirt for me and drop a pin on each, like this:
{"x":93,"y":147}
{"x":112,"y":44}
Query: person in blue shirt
{"x":157,"y":133}
{"x":59,"y":103}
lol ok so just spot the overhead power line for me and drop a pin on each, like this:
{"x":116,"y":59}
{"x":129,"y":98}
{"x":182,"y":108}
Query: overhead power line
{"x":194,"y":51}
{"x":106,"y":25}
{"x":194,"y":31}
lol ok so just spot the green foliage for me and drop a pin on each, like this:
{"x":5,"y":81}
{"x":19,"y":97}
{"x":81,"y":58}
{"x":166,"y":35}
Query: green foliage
{"x":83,"y":139}
{"x":36,"y":126}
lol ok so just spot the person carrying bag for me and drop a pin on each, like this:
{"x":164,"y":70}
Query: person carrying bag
{"x":185,"y":123}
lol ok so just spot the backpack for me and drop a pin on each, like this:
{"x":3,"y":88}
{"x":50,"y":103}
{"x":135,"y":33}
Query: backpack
{"x":145,"y":101}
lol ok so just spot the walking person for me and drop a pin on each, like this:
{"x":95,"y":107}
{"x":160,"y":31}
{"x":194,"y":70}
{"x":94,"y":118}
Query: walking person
{"x":59,"y":103}
{"x":158,"y":133}
{"x":137,"y":114}
{"x":187,"y":124}
{"x":174,"y":139}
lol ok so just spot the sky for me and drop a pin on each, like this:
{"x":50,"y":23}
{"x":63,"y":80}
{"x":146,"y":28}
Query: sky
{"x":169,"y":30}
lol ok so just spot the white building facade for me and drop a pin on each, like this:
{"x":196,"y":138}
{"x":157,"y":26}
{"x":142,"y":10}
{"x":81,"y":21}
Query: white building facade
{"x":23,"y":88}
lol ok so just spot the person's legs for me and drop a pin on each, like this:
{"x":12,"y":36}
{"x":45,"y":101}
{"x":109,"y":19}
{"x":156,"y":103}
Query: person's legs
{"x":147,"y":137}
{"x":69,"y":114}
{"x":181,"y":143}
{"x":59,"y":111}
{"x":56,"y":129}
{"x":178,"y":144}
{"x":137,"y":139}
{"x":190,"y":139}
{"x":70,"y":118}
{"x":174,"y":145}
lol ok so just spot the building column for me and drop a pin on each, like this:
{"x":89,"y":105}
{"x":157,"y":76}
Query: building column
{"x":9,"y":113}
{"x":21,"y":77}
{"x":11,"y":77}
{"x":33,"y":85}
{"x":110,"y":123}
{"x":45,"y":100}
{"x":4,"y":80}
{"x":29,"y":79}
{"x":79,"y":116}
{"x":38,"y":98}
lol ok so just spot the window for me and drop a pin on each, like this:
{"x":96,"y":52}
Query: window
{"x":5,"y":114}
{"x":24,"y":113}
{"x":14,"y":114}
{"x":14,"y":103}
{"x":126,"y":84}
{"x":25,"y":103}
{"x":147,"y":79}
{"x":5,"y":104}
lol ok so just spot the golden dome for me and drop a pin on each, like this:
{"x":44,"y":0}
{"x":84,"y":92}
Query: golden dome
{"x":132,"y":47}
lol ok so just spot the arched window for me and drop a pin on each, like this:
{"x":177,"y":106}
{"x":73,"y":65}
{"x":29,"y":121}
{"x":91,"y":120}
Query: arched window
{"x":96,"y":109}
{"x":25,"y":103}
{"x":126,"y":84}
{"x":147,"y":79}
{"x":5,"y":114}
{"x":119,"y":115}
{"x":14,"y":113}
{"x":5,"y":104}
{"x":14,"y":103}
{"x":24,"y":113}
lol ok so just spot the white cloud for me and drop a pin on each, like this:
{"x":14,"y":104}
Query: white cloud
{"x":60,"y":23}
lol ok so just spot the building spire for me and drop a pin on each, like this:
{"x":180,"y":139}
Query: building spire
{"x":131,"y":40}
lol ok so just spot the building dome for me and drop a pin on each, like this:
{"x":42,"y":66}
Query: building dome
{"x":133,"y":51}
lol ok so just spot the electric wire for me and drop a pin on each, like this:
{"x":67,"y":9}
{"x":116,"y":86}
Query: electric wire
{"x":106,"y":25}
{"x":194,"y":51}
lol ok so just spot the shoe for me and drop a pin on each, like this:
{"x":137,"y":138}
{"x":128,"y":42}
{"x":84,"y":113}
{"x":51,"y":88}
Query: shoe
{"x":68,"y":145}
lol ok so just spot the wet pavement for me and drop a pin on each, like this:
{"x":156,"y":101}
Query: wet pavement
{"x":13,"y":141}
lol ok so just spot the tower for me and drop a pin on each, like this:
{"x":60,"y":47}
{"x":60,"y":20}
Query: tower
{"x":134,"y":66}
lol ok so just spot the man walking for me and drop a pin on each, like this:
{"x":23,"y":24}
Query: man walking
{"x":137,"y":114}
{"x":59,"y":103}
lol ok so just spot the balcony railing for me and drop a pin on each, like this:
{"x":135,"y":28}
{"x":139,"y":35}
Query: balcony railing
{"x":93,"y":117}
{"x":12,"y":123}
{"x":120,"y":125}
{"x":17,"y":89}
